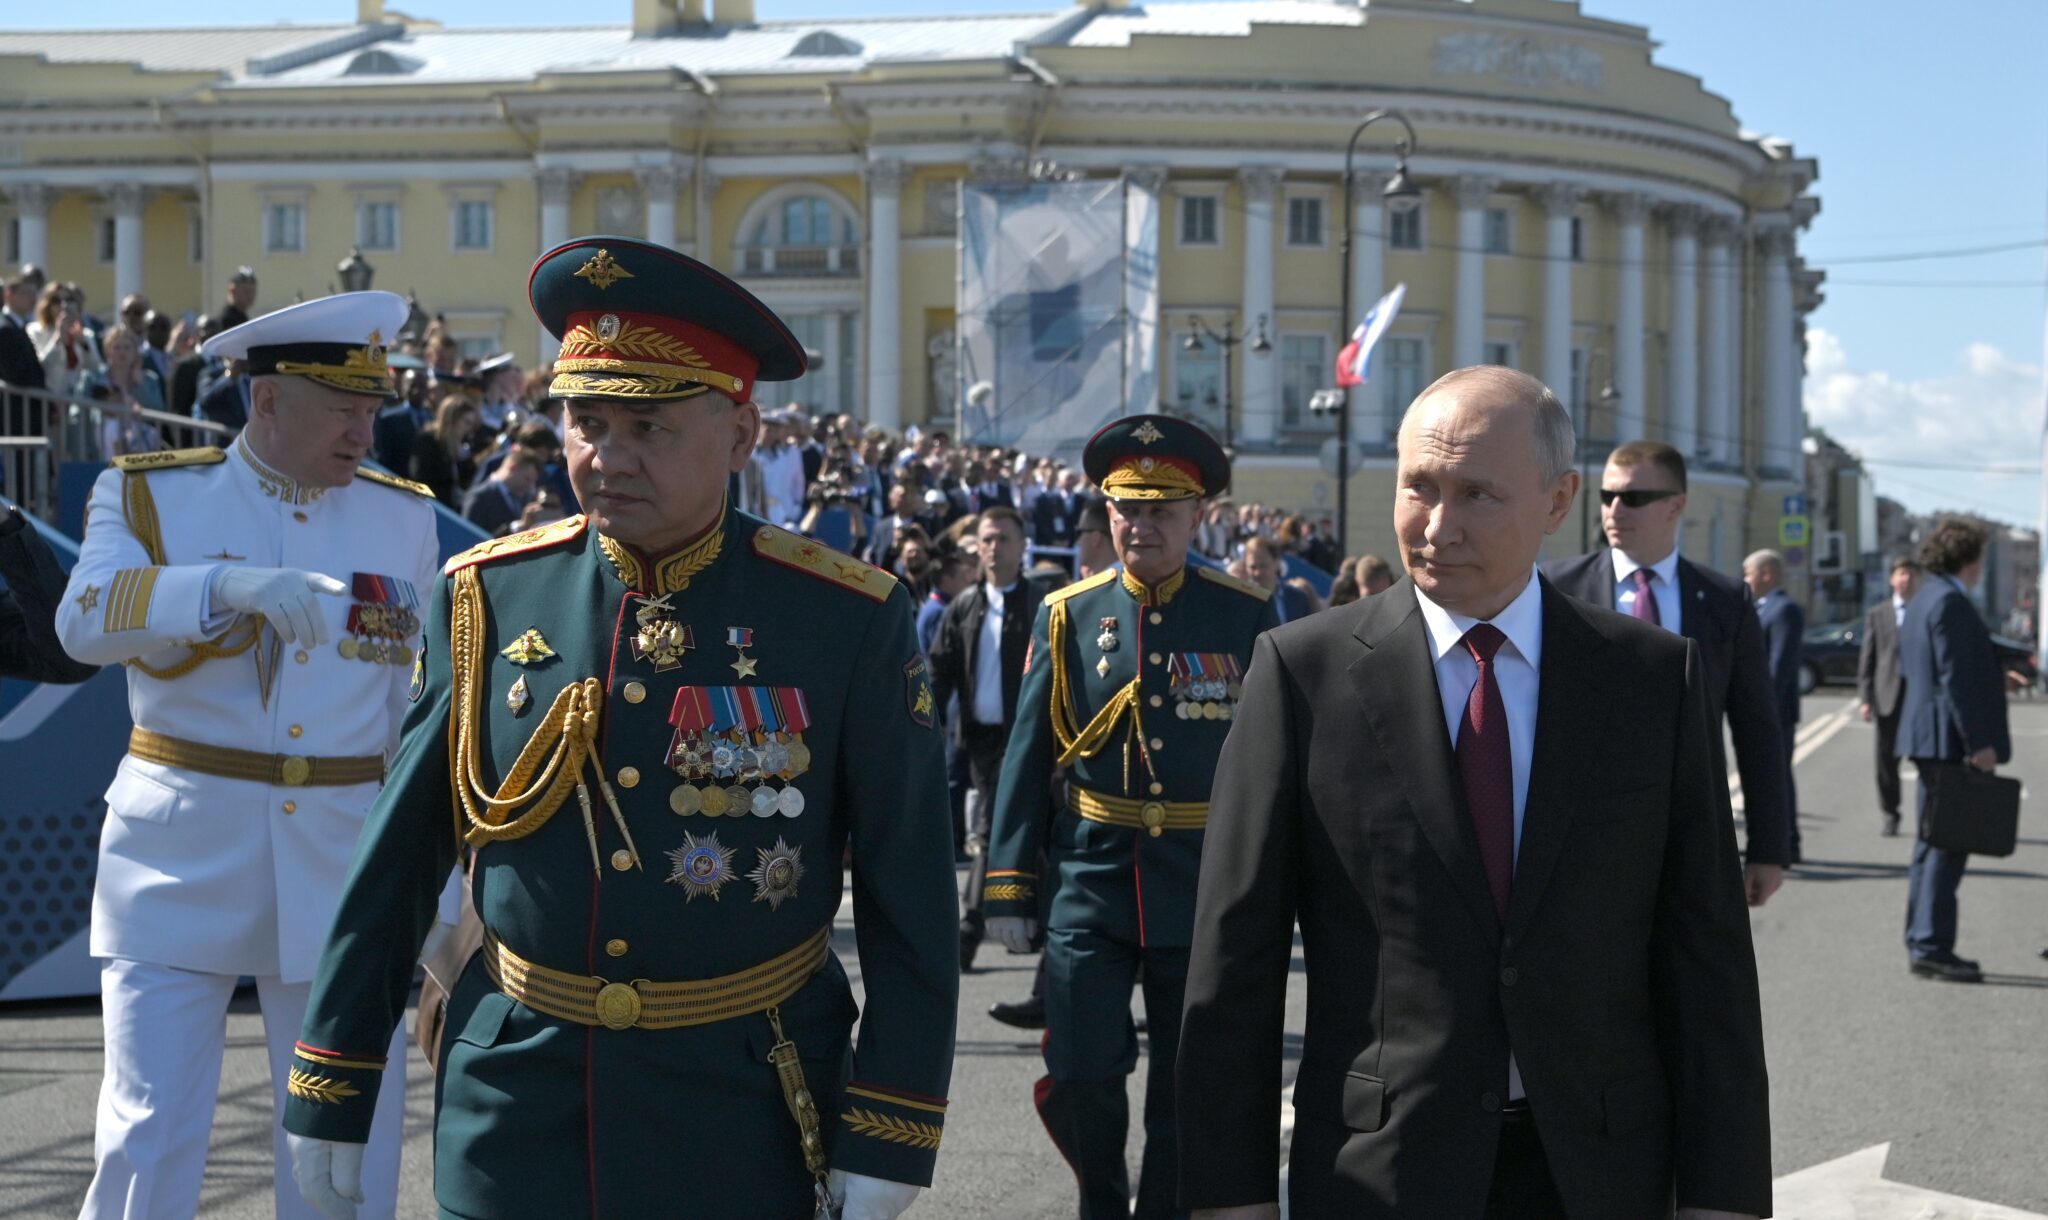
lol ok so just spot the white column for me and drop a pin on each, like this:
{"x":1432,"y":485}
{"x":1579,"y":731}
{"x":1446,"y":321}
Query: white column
{"x":1781,"y":447}
{"x":1632,"y":413}
{"x":127,"y":199}
{"x":885,"y":181}
{"x":557,"y":188}
{"x":1259,"y":396}
{"x":837,"y":397}
{"x":658,"y":183}
{"x":32,"y":209}
{"x":1560,"y":202}
{"x":1682,"y":395}
{"x":1368,"y":283}
{"x":1468,"y":330}
{"x":1721,"y":427}
{"x":704,"y":189}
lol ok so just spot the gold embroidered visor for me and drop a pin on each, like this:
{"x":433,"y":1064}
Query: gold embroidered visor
{"x":355,"y":368}
{"x":1152,"y":478}
{"x":608,"y":354}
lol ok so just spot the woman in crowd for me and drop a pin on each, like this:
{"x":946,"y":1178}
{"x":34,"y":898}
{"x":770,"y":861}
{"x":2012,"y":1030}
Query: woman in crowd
{"x":127,"y":385}
{"x":70,"y":355}
{"x":440,"y":453}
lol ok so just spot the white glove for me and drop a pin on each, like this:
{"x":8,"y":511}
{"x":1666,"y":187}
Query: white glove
{"x":329,"y":1174}
{"x":287,"y":597}
{"x":1012,"y":932}
{"x":856,"y":1196}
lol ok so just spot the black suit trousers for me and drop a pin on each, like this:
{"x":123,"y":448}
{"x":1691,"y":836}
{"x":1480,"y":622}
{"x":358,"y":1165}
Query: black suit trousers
{"x":1888,"y":761}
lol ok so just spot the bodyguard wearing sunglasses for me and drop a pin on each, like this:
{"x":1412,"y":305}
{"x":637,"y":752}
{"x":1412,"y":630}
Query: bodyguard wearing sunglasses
{"x":1640,"y":573}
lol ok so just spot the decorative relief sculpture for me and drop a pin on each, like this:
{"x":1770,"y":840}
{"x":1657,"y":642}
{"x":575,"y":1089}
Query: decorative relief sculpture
{"x":1530,"y":62}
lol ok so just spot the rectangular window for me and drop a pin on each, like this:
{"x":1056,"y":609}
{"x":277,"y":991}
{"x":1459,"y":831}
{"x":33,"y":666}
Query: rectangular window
{"x":1502,"y":354}
{"x":1198,"y":383}
{"x":1404,"y":229}
{"x":377,"y":225}
{"x":1198,"y":220}
{"x":1304,"y":221}
{"x":13,"y":239}
{"x":941,"y":207}
{"x":103,"y":239}
{"x":1578,"y":239}
{"x":473,"y":224}
{"x":284,"y":228}
{"x":1304,"y":368}
{"x":1496,"y":231}
{"x":1397,"y":366}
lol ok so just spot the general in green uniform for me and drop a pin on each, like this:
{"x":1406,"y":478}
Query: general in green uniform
{"x":1129,"y":687}
{"x":660,"y":729}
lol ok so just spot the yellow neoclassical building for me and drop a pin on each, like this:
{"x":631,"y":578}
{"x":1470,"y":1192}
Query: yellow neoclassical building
{"x":1588,"y":214}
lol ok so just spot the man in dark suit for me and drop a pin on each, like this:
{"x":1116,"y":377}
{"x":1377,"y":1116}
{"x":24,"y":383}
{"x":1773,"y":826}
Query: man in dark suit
{"x":1784,"y":624}
{"x":495,"y":503}
{"x":1878,"y":685}
{"x":1494,"y":810}
{"x":996,"y":610}
{"x":1642,"y":501}
{"x":1953,"y":712}
{"x":1055,"y":511}
{"x":192,"y":369}
{"x":18,"y":363}
{"x":227,"y":402}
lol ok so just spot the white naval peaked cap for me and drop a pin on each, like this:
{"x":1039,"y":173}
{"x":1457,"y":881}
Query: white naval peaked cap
{"x":337,"y":341}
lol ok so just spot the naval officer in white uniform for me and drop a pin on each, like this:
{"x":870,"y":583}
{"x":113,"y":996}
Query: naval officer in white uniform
{"x":266,"y":600}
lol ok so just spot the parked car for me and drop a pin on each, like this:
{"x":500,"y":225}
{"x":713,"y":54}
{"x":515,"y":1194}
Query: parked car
{"x":1828,"y":656}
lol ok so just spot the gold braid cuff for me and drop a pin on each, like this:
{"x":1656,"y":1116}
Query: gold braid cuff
{"x":549,"y":766}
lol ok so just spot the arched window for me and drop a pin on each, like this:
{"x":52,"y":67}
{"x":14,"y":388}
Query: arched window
{"x":798,"y":232}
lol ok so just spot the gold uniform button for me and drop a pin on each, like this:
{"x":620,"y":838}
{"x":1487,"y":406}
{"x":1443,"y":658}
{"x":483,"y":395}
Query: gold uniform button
{"x":291,"y":806}
{"x":300,"y":656}
{"x":622,"y":859}
{"x":1156,"y":701}
{"x":616,"y":948}
{"x":1157,"y":787}
{"x":300,"y":517}
{"x":635,"y":692}
{"x":1158,"y":744}
{"x":629,"y":776}
{"x":300,"y":731}
{"x":1157,"y":618}
{"x":1154,"y":658}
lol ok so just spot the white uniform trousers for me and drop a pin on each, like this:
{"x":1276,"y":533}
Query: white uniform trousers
{"x":166,"y":1033}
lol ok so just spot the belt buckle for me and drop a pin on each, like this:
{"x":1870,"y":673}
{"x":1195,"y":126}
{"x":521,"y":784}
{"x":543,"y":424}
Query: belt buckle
{"x":1153,"y":815}
{"x":618,"y":1006}
{"x":296,"y":771}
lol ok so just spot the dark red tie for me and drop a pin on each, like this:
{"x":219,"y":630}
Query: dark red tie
{"x":1646,"y":601}
{"x":1487,"y":768}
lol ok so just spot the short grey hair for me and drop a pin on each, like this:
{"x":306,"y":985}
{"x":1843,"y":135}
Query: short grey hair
{"x":1765,"y":559}
{"x":1556,"y":442}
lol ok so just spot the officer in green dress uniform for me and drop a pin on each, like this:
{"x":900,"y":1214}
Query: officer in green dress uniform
{"x":1128,"y":690}
{"x":660,"y":728}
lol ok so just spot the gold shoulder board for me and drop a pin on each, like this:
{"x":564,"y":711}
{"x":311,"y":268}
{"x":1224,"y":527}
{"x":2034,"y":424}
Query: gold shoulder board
{"x":1096,"y":581}
{"x":834,"y":567}
{"x":392,"y":480}
{"x":1231,"y":582}
{"x":517,"y":544}
{"x":166,"y":459}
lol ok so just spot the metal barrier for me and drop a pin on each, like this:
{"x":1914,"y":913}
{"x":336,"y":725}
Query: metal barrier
{"x":40,"y":431}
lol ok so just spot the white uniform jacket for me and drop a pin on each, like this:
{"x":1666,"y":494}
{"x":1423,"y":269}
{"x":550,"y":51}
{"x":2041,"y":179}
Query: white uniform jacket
{"x":240,"y":876}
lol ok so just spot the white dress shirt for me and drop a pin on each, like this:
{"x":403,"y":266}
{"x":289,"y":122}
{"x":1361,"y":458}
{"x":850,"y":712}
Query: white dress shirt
{"x":1898,"y":611}
{"x":1663,"y":586}
{"x":988,"y":657}
{"x":1516,"y":667}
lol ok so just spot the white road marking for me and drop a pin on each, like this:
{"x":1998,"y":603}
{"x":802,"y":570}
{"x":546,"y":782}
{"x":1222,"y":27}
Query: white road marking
{"x":1853,"y":1187}
{"x":1811,"y":736}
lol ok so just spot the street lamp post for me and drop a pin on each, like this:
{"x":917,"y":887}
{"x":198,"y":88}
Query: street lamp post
{"x":1198,"y":330}
{"x":1610,"y":398}
{"x":1401,"y":196}
{"x":355,"y":271}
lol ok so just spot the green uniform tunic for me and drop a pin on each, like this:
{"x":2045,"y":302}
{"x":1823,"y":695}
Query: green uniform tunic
{"x":544,"y":1116}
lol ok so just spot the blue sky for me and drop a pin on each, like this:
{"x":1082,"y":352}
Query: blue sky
{"x":1931,"y":126}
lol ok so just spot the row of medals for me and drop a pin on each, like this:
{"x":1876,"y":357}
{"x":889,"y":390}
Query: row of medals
{"x":1210,"y":700}
{"x":745,"y":762}
{"x":387,"y":629}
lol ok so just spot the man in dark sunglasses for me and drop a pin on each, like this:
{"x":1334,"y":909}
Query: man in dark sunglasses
{"x":1640,"y":573}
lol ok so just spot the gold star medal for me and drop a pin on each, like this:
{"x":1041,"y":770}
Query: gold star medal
{"x":741,"y":639}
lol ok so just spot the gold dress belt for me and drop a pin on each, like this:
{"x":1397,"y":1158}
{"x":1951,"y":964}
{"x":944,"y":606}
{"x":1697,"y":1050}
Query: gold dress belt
{"x":286,"y":770}
{"x":1154,"y":817}
{"x":640,"y":1004}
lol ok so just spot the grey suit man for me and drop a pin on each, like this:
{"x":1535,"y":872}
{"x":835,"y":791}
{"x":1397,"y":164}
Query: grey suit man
{"x":1784,"y":624}
{"x":1879,"y":688}
{"x":1954,"y":711}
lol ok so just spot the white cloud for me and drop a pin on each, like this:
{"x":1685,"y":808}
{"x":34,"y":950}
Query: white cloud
{"x":1986,"y":413}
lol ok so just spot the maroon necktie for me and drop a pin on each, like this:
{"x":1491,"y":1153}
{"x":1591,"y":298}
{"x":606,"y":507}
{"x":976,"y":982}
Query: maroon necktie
{"x":1646,"y":601}
{"x":1487,"y":768}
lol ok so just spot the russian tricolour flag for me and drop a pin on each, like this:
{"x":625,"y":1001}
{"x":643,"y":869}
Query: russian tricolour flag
{"x":1355,"y":360}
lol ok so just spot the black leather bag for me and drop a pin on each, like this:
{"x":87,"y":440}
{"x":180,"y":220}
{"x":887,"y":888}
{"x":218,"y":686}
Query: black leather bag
{"x":1970,"y":810}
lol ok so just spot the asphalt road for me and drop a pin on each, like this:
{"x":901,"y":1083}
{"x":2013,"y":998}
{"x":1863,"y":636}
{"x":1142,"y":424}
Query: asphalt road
{"x":1955,"y":1078}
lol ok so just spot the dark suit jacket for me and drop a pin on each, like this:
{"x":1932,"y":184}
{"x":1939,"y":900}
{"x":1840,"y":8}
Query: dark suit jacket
{"x":1053,"y":517}
{"x":491,"y":508}
{"x":225,"y":402}
{"x":185,"y":375}
{"x":1718,"y":613}
{"x":1784,"y":624}
{"x":1623,"y":979}
{"x":1877,"y":664}
{"x":18,"y":363}
{"x":1955,"y":692}
{"x":28,"y":608}
{"x":956,"y":651}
